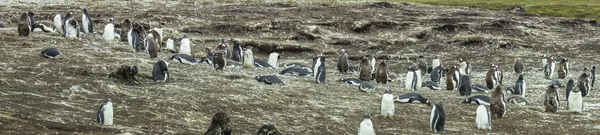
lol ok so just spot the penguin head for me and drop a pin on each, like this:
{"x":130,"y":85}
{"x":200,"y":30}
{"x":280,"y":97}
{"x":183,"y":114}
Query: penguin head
{"x":586,"y":69}
{"x":461,"y":60}
{"x":367,"y":116}
{"x":235,"y":42}
{"x":427,"y":102}
{"x":388,"y":91}
{"x":110,"y":20}
{"x":107,"y":101}
{"x":468,"y":100}
{"x":30,"y":13}
{"x":421,"y":56}
{"x":343,"y":51}
{"x":593,"y":67}
{"x":159,"y":26}
{"x":520,"y":77}
{"x":185,"y":36}
{"x":70,"y":14}
{"x":84,"y":10}
{"x":436,"y":56}
{"x":510,"y":89}
{"x":258,"y":78}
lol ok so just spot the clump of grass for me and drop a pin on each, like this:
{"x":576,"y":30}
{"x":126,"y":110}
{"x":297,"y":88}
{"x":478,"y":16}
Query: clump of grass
{"x":560,"y":8}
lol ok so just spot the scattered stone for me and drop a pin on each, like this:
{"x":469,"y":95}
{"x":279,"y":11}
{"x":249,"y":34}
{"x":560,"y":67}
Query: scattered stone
{"x":517,"y":9}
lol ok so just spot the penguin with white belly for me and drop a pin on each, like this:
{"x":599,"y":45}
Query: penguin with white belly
{"x":86,"y":21}
{"x":437,"y":120}
{"x":483,"y":119}
{"x":387,"y":104}
{"x":109,"y":32}
{"x":105,"y":115}
{"x":366,"y":126}
{"x":319,"y":72}
{"x":412,"y":98}
{"x":574,"y":100}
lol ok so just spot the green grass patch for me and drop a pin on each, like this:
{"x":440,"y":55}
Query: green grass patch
{"x":560,"y":8}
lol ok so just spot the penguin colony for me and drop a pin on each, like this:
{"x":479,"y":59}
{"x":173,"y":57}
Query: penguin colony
{"x":457,"y":75}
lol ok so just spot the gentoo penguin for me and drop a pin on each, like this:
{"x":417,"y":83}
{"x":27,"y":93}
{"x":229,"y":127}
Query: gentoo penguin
{"x":381,"y":76}
{"x":185,"y":47}
{"x":126,"y":25}
{"x":295,"y":64}
{"x":208,"y":60}
{"x":498,"y":103}
{"x":365,"y":69}
{"x":422,"y":63}
{"x":156,"y":38}
{"x":274,"y":59}
{"x":353,"y":68}
{"x":551,"y":99}
{"x":518,"y":100}
{"x":465,"y":85}
{"x":262,"y":64}
{"x":44,"y":26}
{"x":71,"y":27}
{"x":569,"y":88}
{"x":135,"y":41}
{"x":478,"y":99}
{"x":25,"y":25}
{"x":342,"y":63}
{"x":544,"y":62}
{"x":452,"y":78}
{"x":222,"y":46}
{"x":319,"y":72}
{"x":109,"y":32}
{"x":170,"y":45}
{"x":151,"y":46}
{"x":366,"y":126}
{"x":432,"y":85}
{"x":295,"y":71}
{"x":160,"y":71}
{"x":409,"y":82}
{"x":219,"y":60}
{"x":269,"y":79}
{"x":435,"y":62}
{"x":438,"y":118}
{"x":437,"y":73}
{"x":583,"y":84}
{"x":411,"y":98}
{"x":563,"y":68}
{"x":58,"y":22}
{"x":549,"y":68}
{"x":237,"y":54}
{"x":520,"y":87}
{"x":491,"y":77}
{"x":248,"y":57}
{"x":219,"y":125}
{"x":366,"y":86}
{"x":575,"y":101}
{"x":592,"y":76}
{"x":464,"y":66}
{"x":482,"y":118}
{"x":387,"y":104}
{"x":86,"y":21}
{"x":372,"y":62}
{"x":481,"y":88}
{"x":268,"y":129}
{"x":105,"y":114}
{"x":518,"y":66}
{"x":417,"y":79}
{"x":184,"y":58}
{"x":353,"y":81}
{"x":557,"y":83}
{"x":51,"y":53}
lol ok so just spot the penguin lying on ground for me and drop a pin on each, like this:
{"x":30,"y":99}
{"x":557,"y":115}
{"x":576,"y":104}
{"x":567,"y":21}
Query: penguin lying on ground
{"x":478,"y":99}
{"x":269,"y":79}
{"x":51,"y":53}
{"x":411,"y":98}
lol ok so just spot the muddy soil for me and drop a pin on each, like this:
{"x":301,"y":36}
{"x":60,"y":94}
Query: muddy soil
{"x":61,"y":96}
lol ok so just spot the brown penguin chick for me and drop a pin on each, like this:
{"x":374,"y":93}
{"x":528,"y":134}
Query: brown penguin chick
{"x":219,"y":125}
{"x":551,"y":100}
{"x":491,"y":77}
{"x":25,"y":25}
{"x":222,"y":46}
{"x":518,"y":66}
{"x":563,"y":68}
{"x":157,"y":39}
{"x":498,"y":103}
{"x":125,"y":26}
{"x":219,"y":60}
{"x":583,"y":84}
{"x":268,"y":129}
{"x":342,"y":64}
{"x":365,"y":69}
{"x":381,"y":76}
{"x":152,"y":46}
{"x":452,"y":77}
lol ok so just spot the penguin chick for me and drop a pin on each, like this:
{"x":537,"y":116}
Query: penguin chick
{"x":551,"y":99}
{"x":498,"y":103}
{"x":365,"y":69}
{"x":342,"y":64}
{"x":219,"y":125}
{"x":381,"y":76}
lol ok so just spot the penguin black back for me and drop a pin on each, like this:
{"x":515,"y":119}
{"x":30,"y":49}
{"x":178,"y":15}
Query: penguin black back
{"x":90,"y":27}
{"x":219,"y":125}
{"x":237,"y":51}
{"x":592,"y":76}
{"x":438,"y":118}
{"x":569,"y":87}
{"x":518,"y":66}
{"x":152,"y":46}
{"x":319,"y":69}
{"x":465,"y":85}
{"x":160,"y":72}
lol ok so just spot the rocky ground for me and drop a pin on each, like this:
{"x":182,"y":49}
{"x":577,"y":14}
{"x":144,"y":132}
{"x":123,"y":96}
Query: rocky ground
{"x":43,"y":96}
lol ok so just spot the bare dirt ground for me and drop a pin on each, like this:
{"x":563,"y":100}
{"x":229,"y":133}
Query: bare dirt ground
{"x":42,"y":96}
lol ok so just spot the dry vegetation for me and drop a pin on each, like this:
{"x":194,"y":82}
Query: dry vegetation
{"x":61,"y":96}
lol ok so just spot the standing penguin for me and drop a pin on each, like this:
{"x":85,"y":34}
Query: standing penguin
{"x":170,"y":45}
{"x":158,"y":35}
{"x":452,"y":78}
{"x":465,"y":86}
{"x":126,"y":25}
{"x":465,"y":67}
{"x":372,"y":62}
{"x":274,"y":59}
{"x":365,"y":69}
{"x":435,"y":62}
{"x":135,"y":41}
{"x":86,"y":20}
{"x":366,"y":126}
{"x":438,"y":118}
{"x":185,"y":47}
{"x":574,"y":100}
{"x":152,"y":46}
{"x":437,"y":73}
{"x":219,"y":60}
{"x":219,"y":125}
{"x":387,"y":104}
{"x":160,"y":71}
{"x":544,"y":62}
{"x":549,"y":68}
{"x":563,"y":68}
{"x":410,"y":82}
{"x":482,"y":118}
{"x":592,"y":76}
{"x":248,"y":58}
{"x":25,"y":25}
{"x":342,"y":63}
{"x":551,"y":99}
{"x":381,"y":76}
{"x":498,"y":103}
{"x":520,"y":87}
{"x":237,"y":51}
{"x":491,"y":77}
{"x":499,"y":74}
{"x":584,"y":82}
{"x":109,"y":32}
{"x":71,"y":27}
{"x":58,"y":22}
{"x":222,"y":46}
{"x":418,"y":79}
{"x":104,"y":115}
{"x":422,"y":63}
{"x":518,"y":66}
{"x":318,"y":66}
